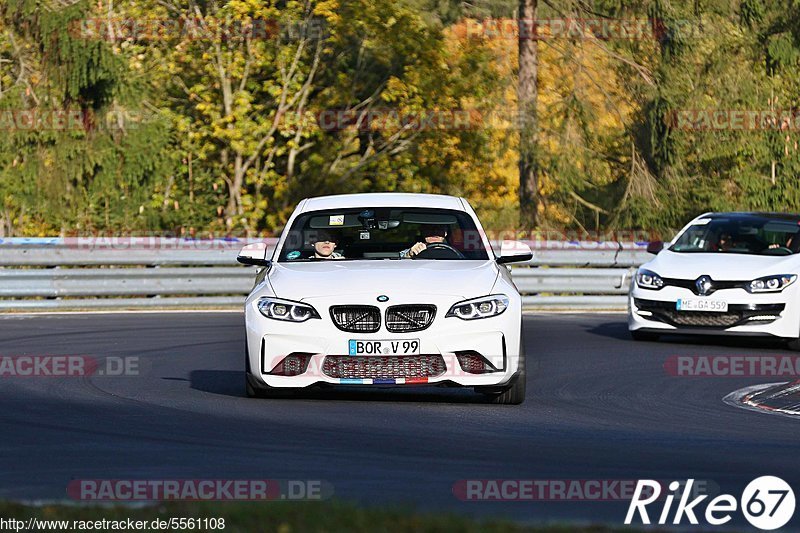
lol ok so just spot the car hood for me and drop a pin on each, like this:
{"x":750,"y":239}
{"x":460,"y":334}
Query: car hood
{"x":721,"y":266}
{"x":463,"y":279}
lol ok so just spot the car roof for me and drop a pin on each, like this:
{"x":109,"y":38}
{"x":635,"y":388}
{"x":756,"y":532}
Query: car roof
{"x":383,"y":199}
{"x":754,"y":214}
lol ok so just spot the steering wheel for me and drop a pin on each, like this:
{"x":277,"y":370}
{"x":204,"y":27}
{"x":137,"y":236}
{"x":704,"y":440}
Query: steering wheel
{"x":778,"y":250}
{"x":439,"y":250}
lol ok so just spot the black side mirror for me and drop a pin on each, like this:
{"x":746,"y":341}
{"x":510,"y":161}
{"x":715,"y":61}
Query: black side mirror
{"x":655,"y":246}
{"x":254,"y":261}
{"x":254,"y":254}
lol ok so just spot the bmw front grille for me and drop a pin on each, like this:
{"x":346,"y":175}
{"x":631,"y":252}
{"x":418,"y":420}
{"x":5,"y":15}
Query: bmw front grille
{"x":356,"y":318}
{"x":406,"y":318}
{"x":367,"y":318}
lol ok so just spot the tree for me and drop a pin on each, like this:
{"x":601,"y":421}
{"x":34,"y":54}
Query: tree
{"x":66,"y":163}
{"x":527,"y":102}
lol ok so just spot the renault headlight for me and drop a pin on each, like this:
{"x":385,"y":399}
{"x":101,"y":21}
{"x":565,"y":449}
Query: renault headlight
{"x":770,"y":283}
{"x":647,"y":279}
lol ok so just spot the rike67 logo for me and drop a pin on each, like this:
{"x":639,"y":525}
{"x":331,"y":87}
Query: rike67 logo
{"x":767,"y":503}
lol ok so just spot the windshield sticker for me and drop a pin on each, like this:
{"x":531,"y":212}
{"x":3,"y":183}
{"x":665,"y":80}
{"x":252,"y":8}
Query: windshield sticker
{"x":364,"y":235}
{"x":336,"y":220}
{"x":293,"y":255}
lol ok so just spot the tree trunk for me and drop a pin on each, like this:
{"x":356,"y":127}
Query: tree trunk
{"x":527,"y":95}
{"x":234,"y":208}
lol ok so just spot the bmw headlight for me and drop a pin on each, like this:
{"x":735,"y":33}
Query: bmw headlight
{"x":647,"y":279}
{"x":287,"y":310}
{"x":770,"y":283}
{"x":483,"y":307}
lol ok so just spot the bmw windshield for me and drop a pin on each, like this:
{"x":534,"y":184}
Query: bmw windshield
{"x":383,"y":233}
{"x":742,"y":234}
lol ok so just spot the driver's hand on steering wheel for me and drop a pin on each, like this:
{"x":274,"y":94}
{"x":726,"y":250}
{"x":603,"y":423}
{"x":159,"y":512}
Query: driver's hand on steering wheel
{"x":417,"y":248}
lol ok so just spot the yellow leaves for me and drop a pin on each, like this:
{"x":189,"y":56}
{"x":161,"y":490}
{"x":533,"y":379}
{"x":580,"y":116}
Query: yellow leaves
{"x":579,"y":92}
{"x":328,"y":9}
{"x":242,"y":7}
{"x":404,"y":91}
{"x":204,"y":107}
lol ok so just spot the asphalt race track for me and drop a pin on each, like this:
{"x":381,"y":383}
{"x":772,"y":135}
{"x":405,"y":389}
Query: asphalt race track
{"x":600,"y":406}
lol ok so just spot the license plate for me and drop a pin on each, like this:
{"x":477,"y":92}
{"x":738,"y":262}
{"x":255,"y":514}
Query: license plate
{"x":701,"y":304}
{"x":384,"y":347}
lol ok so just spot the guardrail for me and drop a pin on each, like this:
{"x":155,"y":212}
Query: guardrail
{"x":150,"y":273}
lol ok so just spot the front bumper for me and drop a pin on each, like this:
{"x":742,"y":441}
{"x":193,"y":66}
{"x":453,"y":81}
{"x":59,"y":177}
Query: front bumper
{"x":496,"y":339}
{"x":768,"y":314}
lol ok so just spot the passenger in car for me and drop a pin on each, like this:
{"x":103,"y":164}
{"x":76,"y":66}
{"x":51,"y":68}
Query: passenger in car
{"x":724,"y":243}
{"x":325,"y":246}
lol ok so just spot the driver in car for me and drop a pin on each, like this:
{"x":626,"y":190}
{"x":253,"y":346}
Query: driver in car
{"x":431,"y":235}
{"x":789,"y":241}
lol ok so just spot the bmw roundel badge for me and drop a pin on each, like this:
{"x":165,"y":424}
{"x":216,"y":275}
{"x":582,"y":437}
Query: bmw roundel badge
{"x":383,"y":298}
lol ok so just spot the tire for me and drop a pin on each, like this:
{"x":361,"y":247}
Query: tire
{"x":794,"y":345}
{"x":250,"y":390}
{"x":646,"y":336}
{"x":513,"y":394}
{"x":253,"y":389}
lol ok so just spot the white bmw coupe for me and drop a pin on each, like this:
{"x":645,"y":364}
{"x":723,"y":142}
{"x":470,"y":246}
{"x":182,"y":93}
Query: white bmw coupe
{"x":724,"y":273}
{"x":385,"y":289}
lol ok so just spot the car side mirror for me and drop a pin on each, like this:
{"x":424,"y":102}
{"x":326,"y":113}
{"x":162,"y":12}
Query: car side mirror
{"x":254,"y":254}
{"x":514,"y":252}
{"x":655,"y":246}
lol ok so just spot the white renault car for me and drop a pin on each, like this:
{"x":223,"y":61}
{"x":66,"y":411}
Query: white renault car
{"x":724,"y":273}
{"x":385,"y":289}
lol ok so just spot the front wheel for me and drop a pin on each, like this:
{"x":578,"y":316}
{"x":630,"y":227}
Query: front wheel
{"x":513,"y":394}
{"x":254,"y":389}
{"x":250,"y":389}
